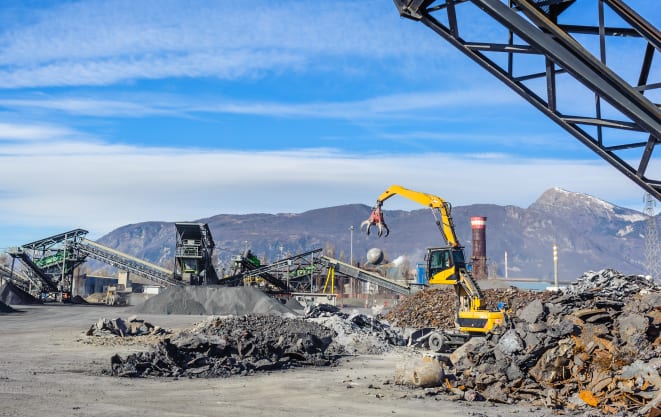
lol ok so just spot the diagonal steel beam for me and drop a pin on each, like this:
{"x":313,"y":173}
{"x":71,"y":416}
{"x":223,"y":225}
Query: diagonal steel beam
{"x":541,"y":34}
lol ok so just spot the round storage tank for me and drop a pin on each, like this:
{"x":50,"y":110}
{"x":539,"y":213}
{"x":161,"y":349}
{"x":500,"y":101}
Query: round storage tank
{"x":375,"y":256}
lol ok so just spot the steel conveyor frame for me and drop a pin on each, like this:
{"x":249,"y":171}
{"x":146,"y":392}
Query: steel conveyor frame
{"x":535,"y":24}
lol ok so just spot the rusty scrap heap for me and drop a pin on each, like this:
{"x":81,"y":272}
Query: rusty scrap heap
{"x":595,"y":345}
{"x":435,"y":307}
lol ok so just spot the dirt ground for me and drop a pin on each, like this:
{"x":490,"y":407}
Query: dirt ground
{"x":48,"y":367}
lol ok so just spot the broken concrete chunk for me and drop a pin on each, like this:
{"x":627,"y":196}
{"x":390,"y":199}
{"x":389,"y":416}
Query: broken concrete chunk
{"x":561,"y":329}
{"x":496,"y":392}
{"x":533,"y":312}
{"x":460,"y":358}
{"x":119,"y":327}
{"x":510,"y":343}
{"x":631,"y":324}
{"x":538,"y":327}
{"x":513,"y":372}
{"x":643,"y":370}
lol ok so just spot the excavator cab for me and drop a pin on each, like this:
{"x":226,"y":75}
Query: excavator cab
{"x":444,"y":264}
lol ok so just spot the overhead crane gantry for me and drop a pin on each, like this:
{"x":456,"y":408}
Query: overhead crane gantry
{"x":534,"y":27}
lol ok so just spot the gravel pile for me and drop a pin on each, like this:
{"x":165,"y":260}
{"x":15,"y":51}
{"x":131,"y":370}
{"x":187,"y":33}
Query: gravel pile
{"x":208,"y":300}
{"x":11,"y":294}
{"x":223,"y":347}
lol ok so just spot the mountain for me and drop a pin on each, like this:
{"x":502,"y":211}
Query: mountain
{"x":591,"y":234}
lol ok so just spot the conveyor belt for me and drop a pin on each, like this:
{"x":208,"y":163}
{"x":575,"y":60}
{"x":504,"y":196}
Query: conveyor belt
{"x":125,"y":262}
{"x":366,"y":276}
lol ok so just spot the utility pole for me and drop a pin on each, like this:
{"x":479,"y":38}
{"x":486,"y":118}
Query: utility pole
{"x":351,"y":280}
{"x":64,"y":267}
{"x":351,"y":228}
{"x":555,"y":266}
{"x":652,"y":249}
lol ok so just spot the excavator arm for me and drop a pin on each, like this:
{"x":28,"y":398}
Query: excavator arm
{"x":441,"y":210}
{"x":446,"y":265}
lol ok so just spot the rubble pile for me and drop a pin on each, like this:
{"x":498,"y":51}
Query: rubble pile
{"x":124,"y":328}
{"x":435,"y":307}
{"x":595,"y":345}
{"x":355,"y":333}
{"x":209,"y":300}
{"x":11,"y":294}
{"x":223,"y":347}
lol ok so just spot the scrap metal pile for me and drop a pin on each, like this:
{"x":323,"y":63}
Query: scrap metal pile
{"x":241,"y":345}
{"x":222,"y":347}
{"x":435,"y":307}
{"x":356,"y":333}
{"x":595,"y":345}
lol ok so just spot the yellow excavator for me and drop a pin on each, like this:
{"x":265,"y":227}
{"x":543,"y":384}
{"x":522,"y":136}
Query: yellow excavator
{"x":445,"y":266}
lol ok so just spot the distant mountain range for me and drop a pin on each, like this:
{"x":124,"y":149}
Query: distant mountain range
{"x":590,"y":234}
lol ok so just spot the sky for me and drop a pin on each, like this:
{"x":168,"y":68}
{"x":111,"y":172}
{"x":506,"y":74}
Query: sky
{"x":119,"y":112}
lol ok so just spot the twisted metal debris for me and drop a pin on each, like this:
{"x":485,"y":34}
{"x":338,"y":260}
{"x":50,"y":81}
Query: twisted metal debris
{"x":594,"y":346}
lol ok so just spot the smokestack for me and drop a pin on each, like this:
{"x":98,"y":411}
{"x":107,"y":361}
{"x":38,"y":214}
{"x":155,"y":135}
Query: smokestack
{"x":479,"y":258}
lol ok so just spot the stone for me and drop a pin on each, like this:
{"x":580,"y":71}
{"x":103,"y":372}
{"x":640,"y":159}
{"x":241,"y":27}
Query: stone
{"x":460,"y":357}
{"x":533,"y":312}
{"x":495,"y":392}
{"x":631,"y":324}
{"x":510,"y":343}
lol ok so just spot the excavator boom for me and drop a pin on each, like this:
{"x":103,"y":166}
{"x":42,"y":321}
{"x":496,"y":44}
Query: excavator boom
{"x":441,"y":209}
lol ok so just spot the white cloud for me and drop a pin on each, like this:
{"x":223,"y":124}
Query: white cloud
{"x":90,"y":106}
{"x":22,"y":132}
{"x":58,"y":177}
{"x":405,"y":105}
{"x":105,"y":42}
{"x":226,"y":65}
{"x":99,"y":187}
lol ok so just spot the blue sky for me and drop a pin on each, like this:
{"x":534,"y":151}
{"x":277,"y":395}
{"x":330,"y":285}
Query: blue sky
{"x":118,"y":112}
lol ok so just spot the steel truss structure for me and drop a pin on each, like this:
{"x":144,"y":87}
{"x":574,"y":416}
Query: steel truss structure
{"x":295,"y":273}
{"x":125,"y":262}
{"x":50,"y":262}
{"x":624,"y":126}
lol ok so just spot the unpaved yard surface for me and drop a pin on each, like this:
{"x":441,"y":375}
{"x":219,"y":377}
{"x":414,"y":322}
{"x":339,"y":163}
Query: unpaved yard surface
{"x":48,"y":367}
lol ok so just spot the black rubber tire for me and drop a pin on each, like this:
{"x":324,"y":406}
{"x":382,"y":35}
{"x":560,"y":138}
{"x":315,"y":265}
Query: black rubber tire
{"x":436,"y":342}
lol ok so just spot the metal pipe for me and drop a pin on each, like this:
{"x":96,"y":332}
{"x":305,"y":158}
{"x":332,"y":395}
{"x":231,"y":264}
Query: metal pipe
{"x":479,"y":258}
{"x":555,"y":265}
